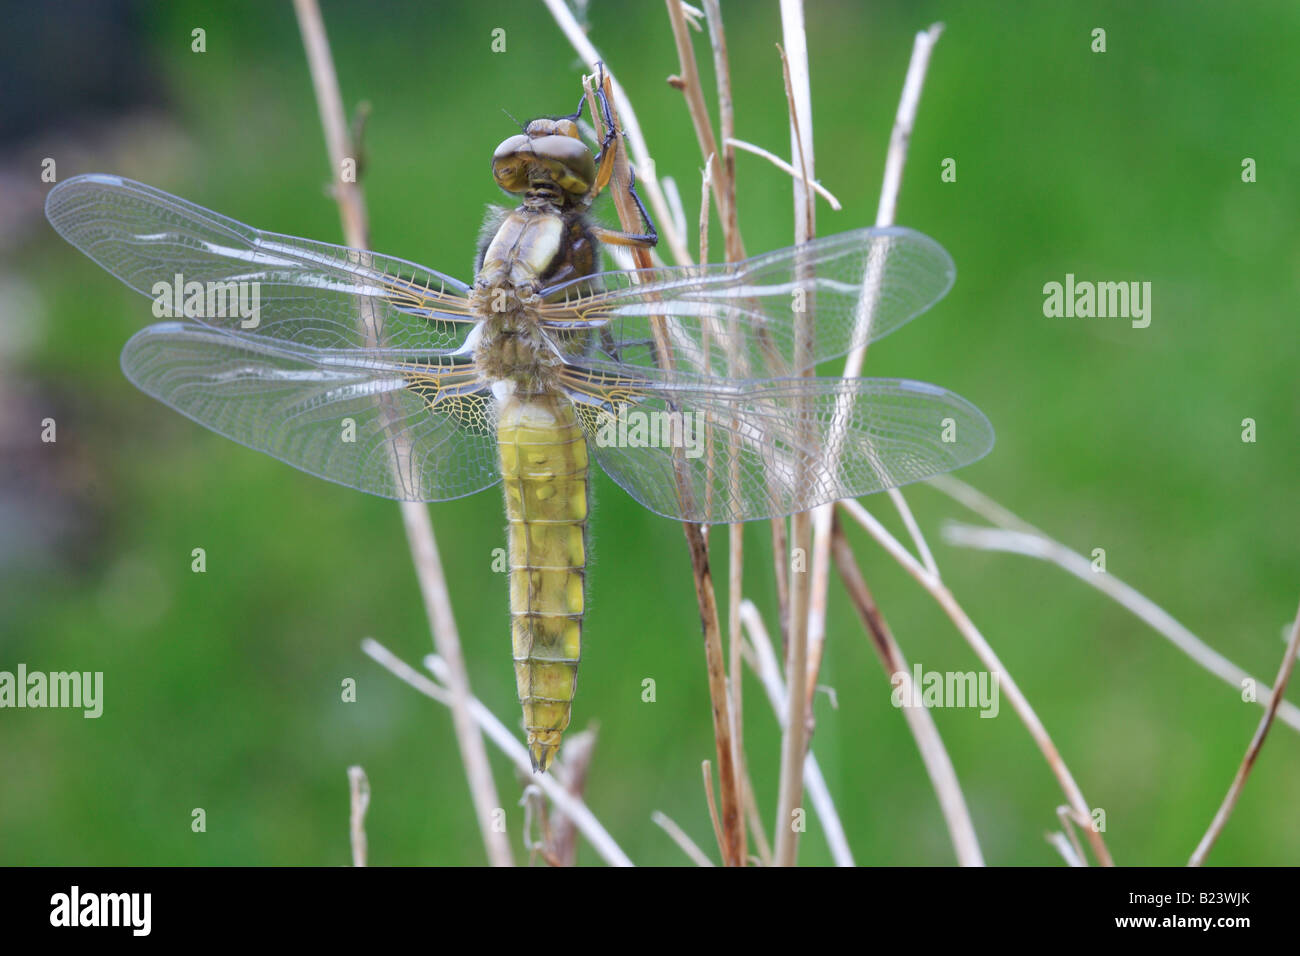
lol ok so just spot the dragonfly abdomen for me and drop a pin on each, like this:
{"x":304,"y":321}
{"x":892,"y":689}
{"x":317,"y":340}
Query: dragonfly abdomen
{"x":544,"y":467}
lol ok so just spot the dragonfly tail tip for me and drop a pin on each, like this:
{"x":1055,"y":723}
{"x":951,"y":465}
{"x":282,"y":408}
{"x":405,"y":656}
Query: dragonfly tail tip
{"x":541,"y":754}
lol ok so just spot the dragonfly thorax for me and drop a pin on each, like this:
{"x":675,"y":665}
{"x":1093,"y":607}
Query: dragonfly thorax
{"x":531,"y":247}
{"x":511,"y":348}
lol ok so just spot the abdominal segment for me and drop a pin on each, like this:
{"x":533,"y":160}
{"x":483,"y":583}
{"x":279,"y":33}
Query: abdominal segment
{"x":544,"y":466}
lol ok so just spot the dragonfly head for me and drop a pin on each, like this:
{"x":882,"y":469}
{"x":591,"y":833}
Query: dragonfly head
{"x":547,"y":152}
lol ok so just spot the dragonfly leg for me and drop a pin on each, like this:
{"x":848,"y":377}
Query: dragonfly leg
{"x":605,"y":173}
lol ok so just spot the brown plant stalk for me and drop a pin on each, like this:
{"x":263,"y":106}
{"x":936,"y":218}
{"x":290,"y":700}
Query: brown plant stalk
{"x":732,"y":818}
{"x":1252,"y":750}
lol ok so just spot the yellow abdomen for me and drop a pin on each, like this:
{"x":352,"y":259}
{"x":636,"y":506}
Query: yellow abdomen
{"x":544,"y":466}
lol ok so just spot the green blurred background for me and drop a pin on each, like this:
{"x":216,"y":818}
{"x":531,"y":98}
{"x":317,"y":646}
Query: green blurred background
{"x":223,"y":688}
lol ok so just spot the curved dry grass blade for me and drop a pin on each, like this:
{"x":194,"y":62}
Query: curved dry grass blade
{"x":938,"y":765}
{"x":1252,"y":751}
{"x":1038,"y":545}
{"x":785,"y":167}
{"x":505,"y":740}
{"x":678,"y":835}
{"x":1064,"y":847}
{"x":1007,"y":685}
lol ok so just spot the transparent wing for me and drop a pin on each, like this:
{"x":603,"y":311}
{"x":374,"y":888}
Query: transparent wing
{"x":307,"y":293}
{"x":739,"y":320}
{"x":762,"y":449}
{"x":419,"y":431}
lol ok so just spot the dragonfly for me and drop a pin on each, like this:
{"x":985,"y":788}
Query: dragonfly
{"x":693,"y":387}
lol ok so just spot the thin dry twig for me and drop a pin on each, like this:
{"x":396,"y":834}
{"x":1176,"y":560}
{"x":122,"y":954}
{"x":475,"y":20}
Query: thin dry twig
{"x":678,"y":835}
{"x":706,"y":771}
{"x":415,"y":516}
{"x":1063,"y":846}
{"x":794,"y":739}
{"x":1066,"y":816}
{"x":1007,"y":685}
{"x":579,"y":749}
{"x":785,"y":167}
{"x":919,"y":719}
{"x":735,"y":247}
{"x":359,"y":802}
{"x":646,"y":176}
{"x":689,"y":85}
{"x":895,"y":161}
{"x":733,"y":824}
{"x":762,"y":659}
{"x":901,"y":135}
{"x":1252,"y":750}
{"x":733,"y":250}
{"x":504,"y":739}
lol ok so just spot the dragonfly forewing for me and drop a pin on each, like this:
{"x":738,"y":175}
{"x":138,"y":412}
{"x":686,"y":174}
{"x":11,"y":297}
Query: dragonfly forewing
{"x":200,"y":265}
{"x":418,"y":431}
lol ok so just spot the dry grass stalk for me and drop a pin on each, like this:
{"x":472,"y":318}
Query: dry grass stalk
{"x":579,"y":749}
{"x":506,"y":741}
{"x":1036,"y":544}
{"x":794,"y":741}
{"x":1252,"y":750}
{"x":415,"y":516}
{"x":678,"y":835}
{"x":359,"y":802}
{"x":762,"y":659}
{"x":1006,"y":685}
{"x":919,"y":720}
{"x":732,"y":819}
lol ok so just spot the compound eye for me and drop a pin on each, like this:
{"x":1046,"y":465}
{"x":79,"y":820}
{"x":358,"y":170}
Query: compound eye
{"x":510,"y":164}
{"x":568,"y":160}
{"x":566,"y":127}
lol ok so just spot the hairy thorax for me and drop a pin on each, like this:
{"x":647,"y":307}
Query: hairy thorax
{"x":531,"y":247}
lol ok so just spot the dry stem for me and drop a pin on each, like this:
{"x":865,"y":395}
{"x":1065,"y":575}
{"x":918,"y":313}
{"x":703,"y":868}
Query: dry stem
{"x":762,"y":659}
{"x":732,"y":819}
{"x":785,"y":167}
{"x":896,"y":159}
{"x":794,"y":741}
{"x":678,"y":835}
{"x":1252,"y":751}
{"x":359,"y":801}
{"x":919,"y":720}
{"x":1036,"y":544}
{"x":990,"y":659}
{"x":505,"y":740}
{"x":630,"y":126}
{"x":415,"y":516}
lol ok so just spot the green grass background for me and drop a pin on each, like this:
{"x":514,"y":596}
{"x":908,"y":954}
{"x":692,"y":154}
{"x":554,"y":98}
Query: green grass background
{"x":223,"y":688}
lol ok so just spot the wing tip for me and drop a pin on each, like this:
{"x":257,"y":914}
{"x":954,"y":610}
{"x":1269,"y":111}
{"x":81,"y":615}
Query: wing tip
{"x":75,"y":182}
